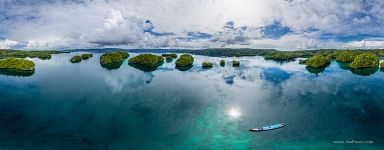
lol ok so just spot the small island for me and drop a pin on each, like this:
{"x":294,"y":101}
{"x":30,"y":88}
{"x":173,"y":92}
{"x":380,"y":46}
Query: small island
{"x":113,"y":60}
{"x":75,"y":59}
{"x":113,"y":57}
{"x":86,"y":56}
{"x":235,"y":63}
{"x":346,"y":56}
{"x":207,"y":65}
{"x":169,"y":57}
{"x":365,"y":60}
{"x":146,"y":62}
{"x":222,"y":63}
{"x":284,"y":55}
{"x":17,"y":64}
{"x":317,"y":61}
{"x":185,"y":60}
{"x":43,"y":55}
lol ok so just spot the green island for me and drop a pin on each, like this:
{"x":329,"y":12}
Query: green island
{"x":317,"y":61}
{"x":113,"y":60}
{"x":222,"y":63}
{"x":24,"y":54}
{"x":75,"y":59}
{"x":235,"y":63}
{"x":86,"y":56}
{"x":113,"y":57}
{"x":285,"y":55}
{"x":169,"y":57}
{"x":207,"y":65}
{"x":365,"y":60}
{"x":146,"y":62}
{"x":346,"y":56}
{"x":17,"y":64}
{"x":185,"y":60}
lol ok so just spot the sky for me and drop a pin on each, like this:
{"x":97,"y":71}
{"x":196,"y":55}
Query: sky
{"x":195,"y":24}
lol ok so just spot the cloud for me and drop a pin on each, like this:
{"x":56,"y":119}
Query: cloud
{"x":6,"y":44}
{"x":366,"y":44}
{"x":283,"y":24}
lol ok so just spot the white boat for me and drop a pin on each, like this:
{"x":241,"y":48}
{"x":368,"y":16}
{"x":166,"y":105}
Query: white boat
{"x":268,"y":128}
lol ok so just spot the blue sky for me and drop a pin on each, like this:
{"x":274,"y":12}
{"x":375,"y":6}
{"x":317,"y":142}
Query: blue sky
{"x":279,"y":24}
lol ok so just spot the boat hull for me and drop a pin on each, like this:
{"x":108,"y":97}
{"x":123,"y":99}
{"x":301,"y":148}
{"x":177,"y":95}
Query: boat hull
{"x":268,"y":128}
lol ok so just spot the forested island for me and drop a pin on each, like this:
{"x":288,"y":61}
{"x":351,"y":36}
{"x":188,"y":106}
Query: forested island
{"x":146,"y":62}
{"x":77,"y":58}
{"x":207,"y":65}
{"x":113,"y":60}
{"x":169,"y":57}
{"x":315,"y":60}
{"x":4,"y":53}
{"x":18,"y":64}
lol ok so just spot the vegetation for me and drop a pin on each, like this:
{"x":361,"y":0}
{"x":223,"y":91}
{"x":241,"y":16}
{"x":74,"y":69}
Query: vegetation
{"x":285,"y":55}
{"x":24,"y":54}
{"x":169,"y":57}
{"x":148,"y":60}
{"x":227,"y":52}
{"x":222,"y":63}
{"x":113,"y":57}
{"x":207,"y":64}
{"x":346,"y":56}
{"x":185,"y":60}
{"x":17,"y":64}
{"x":86,"y":56}
{"x":317,"y":61}
{"x":382,"y":65}
{"x":75,"y":59}
{"x":235,"y":63}
{"x":123,"y":54}
{"x":365,"y":60}
{"x":173,"y":55}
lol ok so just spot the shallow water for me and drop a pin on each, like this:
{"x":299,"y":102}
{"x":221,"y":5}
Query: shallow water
{"x":85,"y":106}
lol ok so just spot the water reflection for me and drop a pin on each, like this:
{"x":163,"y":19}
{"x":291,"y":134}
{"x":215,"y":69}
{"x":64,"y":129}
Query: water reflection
{"x":364,"y":71}
{"x":360,"y":72}
{"x":146,"y":68}
{"x":184,"y":68}
{"x":315,"y":70}
{"x":17,"y":73}
{"x":275,"y":75}
{"x":112,"y":66}
{"x":84,"y":106}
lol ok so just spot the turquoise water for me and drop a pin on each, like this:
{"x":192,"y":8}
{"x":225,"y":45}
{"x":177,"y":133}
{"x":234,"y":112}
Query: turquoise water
{"x":85,"y":106}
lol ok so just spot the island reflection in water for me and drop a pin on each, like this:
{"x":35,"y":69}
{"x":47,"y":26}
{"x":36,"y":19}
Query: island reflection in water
{"x":84,"y":105}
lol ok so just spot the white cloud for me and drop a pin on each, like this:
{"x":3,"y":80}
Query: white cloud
{"x":98,"y":23}
{"x":366,"y":44}
{"x":6,"y":44}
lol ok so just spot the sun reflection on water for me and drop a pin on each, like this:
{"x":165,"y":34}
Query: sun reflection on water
{"x":234,"y":113}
